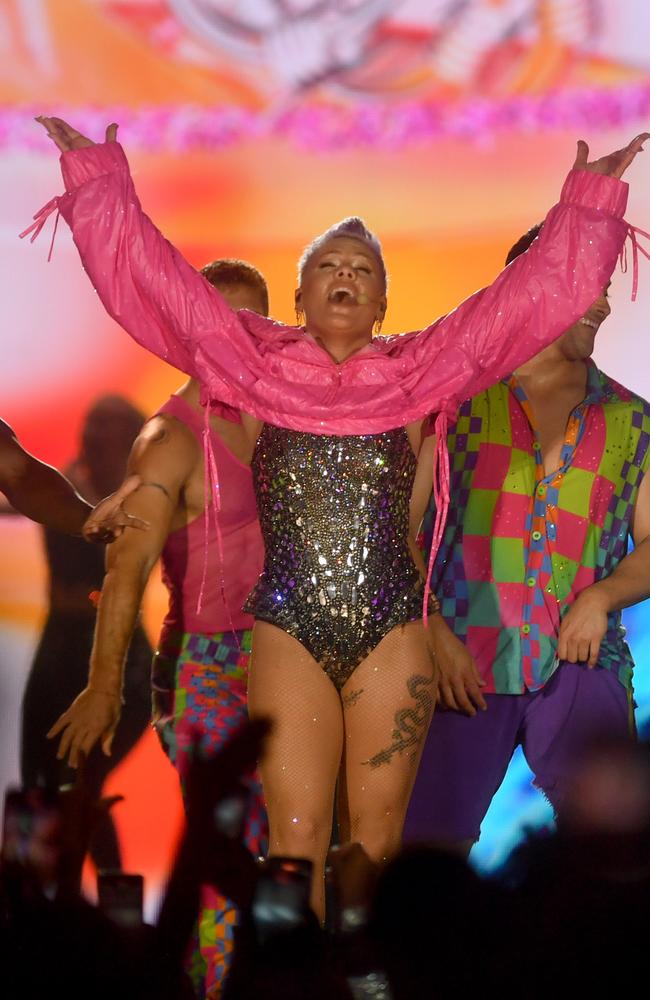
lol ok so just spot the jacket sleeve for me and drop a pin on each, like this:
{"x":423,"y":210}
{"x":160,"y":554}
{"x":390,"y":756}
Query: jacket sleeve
{"x":534,"y":300}
{"x":142,"y":280}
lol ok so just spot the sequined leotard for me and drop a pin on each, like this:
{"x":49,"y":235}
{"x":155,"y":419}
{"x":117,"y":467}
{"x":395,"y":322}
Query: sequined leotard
{"x":338,"y":574}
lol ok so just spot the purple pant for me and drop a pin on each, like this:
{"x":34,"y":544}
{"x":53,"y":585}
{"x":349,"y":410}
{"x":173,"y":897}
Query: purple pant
{"x":466,"y":757}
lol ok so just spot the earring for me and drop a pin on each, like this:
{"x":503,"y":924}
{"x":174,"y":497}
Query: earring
{"x":377,"y":327}
{"x":300,"y":317}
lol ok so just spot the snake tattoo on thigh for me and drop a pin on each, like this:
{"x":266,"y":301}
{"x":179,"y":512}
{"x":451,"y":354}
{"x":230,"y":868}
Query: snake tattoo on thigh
{"x":410,"y":723}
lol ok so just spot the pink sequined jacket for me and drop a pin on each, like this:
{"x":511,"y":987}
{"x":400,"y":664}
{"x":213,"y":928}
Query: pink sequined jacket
{"x":279,"y":373}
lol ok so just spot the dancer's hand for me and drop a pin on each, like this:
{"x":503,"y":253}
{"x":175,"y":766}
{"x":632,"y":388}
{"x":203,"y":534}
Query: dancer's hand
{"x":109,"y":519}
{"x":92,"y":716}
{"x":460,"y":682}
{"x":66,"y":137}
{"x":583,"y":628}
{"x":614,"y":164}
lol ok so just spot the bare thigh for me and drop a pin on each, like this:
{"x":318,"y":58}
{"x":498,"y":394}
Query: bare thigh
{"x":387,"y":704}
{"x":304,"y":749}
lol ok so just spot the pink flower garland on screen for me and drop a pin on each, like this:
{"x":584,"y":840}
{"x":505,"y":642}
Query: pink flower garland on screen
{"x":331,"y":127}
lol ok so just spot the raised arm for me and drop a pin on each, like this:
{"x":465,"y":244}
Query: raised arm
{"x":144,"y":283}
{"x":163,"y":457}
{"x":542,"y":293}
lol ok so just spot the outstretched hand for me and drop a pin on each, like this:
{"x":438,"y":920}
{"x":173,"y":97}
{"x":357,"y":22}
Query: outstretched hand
{"x":613,"y":164}
{"x":92,"y":716}
{"x":66,"y":137}
{"x":109,"y":519}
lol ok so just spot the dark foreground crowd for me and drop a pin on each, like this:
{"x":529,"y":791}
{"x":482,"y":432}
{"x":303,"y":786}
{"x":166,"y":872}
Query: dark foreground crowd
{"x":569,"y":910}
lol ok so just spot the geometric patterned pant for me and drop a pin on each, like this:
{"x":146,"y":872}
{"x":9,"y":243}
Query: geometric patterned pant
{"x":199,"y":699}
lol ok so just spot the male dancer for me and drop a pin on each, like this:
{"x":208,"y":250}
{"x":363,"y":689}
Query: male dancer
{"x":209,"y":567}
{"x":44,"y":494}
{"x":547,"y":484}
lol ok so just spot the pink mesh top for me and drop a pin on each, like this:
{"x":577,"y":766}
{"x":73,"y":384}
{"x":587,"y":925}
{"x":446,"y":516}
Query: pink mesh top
{"x":185,"y":553}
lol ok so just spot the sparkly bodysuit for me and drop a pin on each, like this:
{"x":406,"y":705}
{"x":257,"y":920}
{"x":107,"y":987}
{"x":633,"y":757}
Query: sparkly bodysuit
{"x":338,"y":573}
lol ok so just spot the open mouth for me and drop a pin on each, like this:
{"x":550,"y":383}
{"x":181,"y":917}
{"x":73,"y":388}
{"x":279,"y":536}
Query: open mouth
{"x":590,"y":322}
{"x":342,"y":295}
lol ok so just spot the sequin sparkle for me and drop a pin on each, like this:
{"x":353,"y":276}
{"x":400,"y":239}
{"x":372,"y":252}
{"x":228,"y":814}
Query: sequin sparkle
{"x":334,"y":512}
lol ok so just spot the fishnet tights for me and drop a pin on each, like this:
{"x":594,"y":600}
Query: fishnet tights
{"x":372,"y":733}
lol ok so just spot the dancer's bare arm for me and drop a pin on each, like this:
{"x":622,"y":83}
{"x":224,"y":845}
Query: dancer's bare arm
{"x":163,"y":456}
{"x":43,"y":494}
{"x":38,"y":491}
{"x":584,"y":625}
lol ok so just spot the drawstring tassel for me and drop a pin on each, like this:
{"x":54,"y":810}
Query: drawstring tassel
{"x":633,"y":232}
{"x":207,"y":444}
{"x":212,"y":504}
{"x":441,"y":495}
{"x":40,"y":219}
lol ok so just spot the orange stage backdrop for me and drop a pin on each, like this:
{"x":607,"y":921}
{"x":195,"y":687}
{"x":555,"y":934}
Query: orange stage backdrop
{"x":447,"y":207}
